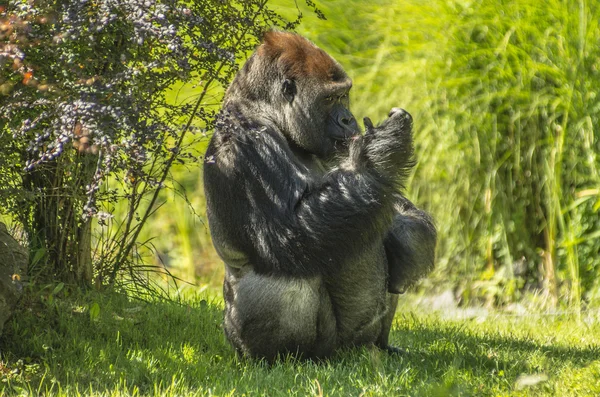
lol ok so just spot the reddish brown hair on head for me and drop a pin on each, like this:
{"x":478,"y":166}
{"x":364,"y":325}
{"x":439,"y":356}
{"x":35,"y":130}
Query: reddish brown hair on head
{"x":298,"y":57}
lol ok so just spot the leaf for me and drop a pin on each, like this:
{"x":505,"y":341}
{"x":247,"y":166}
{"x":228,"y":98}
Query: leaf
{"x":27,"y":77}
{"x":39,"y":254}
{"x":58,"y":288}
{"x":94,"y":311}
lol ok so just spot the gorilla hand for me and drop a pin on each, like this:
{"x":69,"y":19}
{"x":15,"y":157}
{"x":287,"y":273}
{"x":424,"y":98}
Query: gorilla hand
{"x":387,"y":148}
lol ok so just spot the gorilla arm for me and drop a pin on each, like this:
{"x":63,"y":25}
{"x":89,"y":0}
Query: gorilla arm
{"x":409,"y":246}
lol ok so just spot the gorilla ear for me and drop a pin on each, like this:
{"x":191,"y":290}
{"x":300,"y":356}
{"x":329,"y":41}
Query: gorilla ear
{"x":289,"y":90}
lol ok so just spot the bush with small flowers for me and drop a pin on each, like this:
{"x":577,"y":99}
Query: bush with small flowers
{"x":85,"y":121}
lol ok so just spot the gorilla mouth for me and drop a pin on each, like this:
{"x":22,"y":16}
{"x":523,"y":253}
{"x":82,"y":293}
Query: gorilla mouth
{"x":343,"y":138}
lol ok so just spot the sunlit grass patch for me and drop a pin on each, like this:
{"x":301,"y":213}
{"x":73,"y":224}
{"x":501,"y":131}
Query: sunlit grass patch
{"x":164,"y":348}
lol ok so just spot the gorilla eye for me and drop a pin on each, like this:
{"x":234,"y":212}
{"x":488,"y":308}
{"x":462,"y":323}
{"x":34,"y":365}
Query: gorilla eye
{"x":289,"y":90}
{"x":337,"y":98}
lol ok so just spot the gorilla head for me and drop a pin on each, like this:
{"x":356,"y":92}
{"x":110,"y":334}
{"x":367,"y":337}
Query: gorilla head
{"x":301,"y":90}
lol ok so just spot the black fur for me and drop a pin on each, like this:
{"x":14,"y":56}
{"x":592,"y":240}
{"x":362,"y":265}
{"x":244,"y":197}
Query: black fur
{"x":307,"y":214}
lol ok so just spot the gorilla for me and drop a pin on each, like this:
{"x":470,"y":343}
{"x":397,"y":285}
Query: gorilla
{"x":306,"y":212}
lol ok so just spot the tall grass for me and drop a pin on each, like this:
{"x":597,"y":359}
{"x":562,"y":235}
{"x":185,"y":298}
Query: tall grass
{"x":521,"y":84}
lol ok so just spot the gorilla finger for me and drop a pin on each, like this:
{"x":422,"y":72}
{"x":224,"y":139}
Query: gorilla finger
{"x":399,"y":112}
{"x":368,"y":124}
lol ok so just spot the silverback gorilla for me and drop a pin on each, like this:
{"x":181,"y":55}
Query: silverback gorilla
{"x":306,"y":212}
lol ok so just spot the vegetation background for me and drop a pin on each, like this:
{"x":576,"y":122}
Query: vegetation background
{"x":503,"y":94}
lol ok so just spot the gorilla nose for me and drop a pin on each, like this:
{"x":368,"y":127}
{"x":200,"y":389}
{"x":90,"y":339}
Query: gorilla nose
{"x":399,"y":112}
{"x":349,"y":126}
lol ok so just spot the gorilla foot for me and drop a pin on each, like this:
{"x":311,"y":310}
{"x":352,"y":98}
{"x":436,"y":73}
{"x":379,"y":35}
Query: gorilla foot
{"x":394,"y":350}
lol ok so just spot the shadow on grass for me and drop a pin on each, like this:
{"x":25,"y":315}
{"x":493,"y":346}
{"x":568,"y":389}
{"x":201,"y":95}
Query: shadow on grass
{"x":471,"y":344}
{"x":132,"y":347}
{"x":485,"y":353}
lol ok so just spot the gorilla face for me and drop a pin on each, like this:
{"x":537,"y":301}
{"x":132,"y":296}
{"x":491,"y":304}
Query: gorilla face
{"x":317,"y":112}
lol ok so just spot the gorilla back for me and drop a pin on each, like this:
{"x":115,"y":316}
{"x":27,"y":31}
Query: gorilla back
{"x":306,"y":212}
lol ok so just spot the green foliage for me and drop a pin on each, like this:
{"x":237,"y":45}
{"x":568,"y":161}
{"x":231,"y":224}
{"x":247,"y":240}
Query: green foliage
{"x":517,"y":88}
{"x":528,"y":78}
{"x":158,"y":348}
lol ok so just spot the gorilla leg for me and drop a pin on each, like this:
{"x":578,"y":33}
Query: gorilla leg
{"x":386,"y":324}
{"x":267,"y":315}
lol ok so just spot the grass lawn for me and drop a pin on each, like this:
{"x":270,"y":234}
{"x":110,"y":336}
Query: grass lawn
{"x":110,"y":346}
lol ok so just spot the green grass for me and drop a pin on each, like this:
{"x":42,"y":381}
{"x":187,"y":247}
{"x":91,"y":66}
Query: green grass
{"x":111,"y":345}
